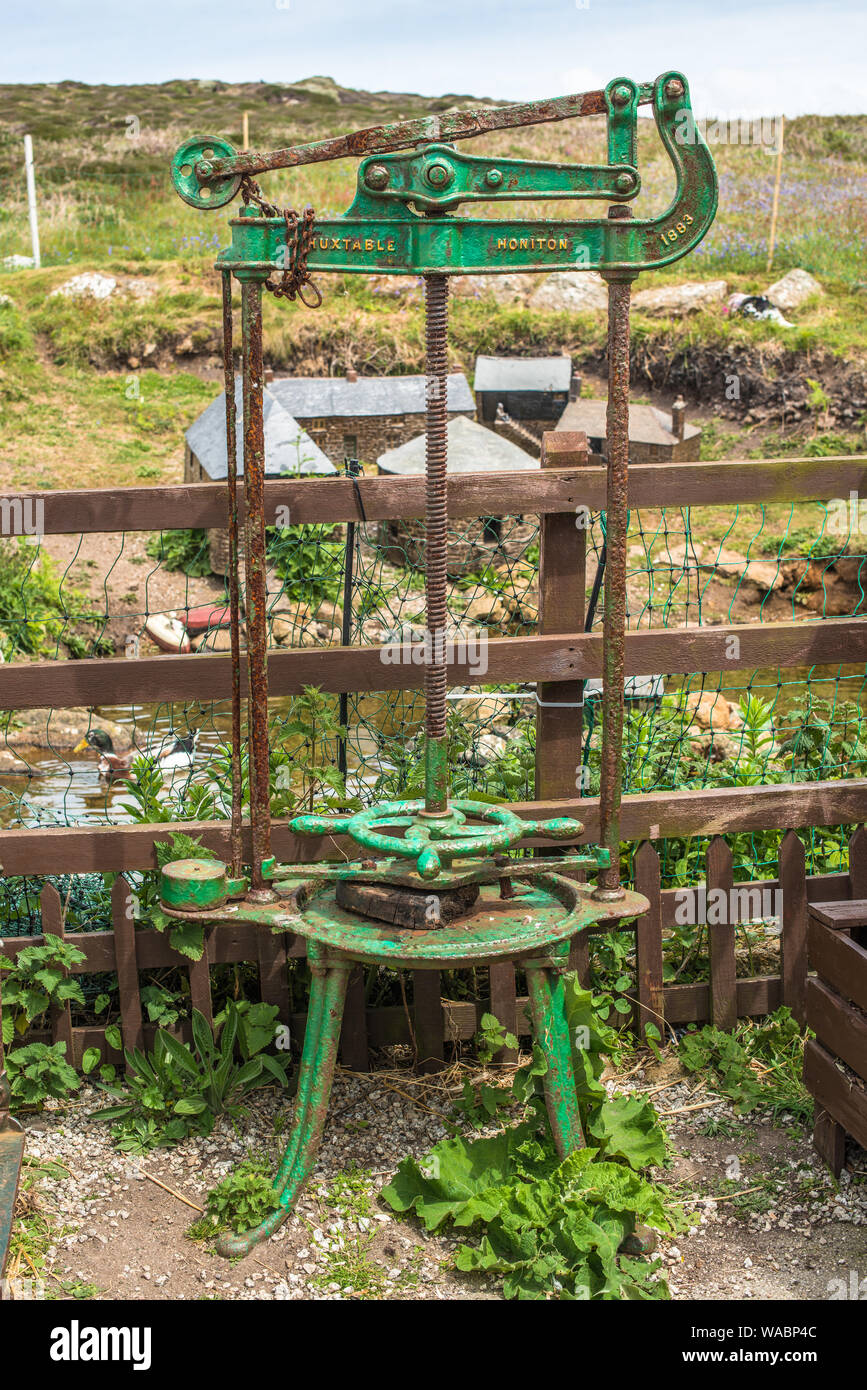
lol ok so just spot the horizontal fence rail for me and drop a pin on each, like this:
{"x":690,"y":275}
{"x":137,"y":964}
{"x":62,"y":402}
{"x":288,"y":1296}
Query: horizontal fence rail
{"x":560,"y":657}
{"x":559,"y":488}
{"x":650,"y":815}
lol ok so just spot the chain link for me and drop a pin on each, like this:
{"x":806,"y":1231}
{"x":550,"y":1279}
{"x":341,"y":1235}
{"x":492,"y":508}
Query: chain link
{"x":299,"y":242}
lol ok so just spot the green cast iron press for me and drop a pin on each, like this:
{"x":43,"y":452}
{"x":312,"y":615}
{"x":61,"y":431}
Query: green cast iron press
{"x":450,"y":852}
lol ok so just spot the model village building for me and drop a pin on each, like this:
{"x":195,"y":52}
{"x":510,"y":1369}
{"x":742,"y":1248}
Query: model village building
{"x":353,"y":417}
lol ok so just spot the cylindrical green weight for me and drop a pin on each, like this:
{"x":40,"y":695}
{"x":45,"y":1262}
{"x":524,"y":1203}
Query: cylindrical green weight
{"x":192,"y":885}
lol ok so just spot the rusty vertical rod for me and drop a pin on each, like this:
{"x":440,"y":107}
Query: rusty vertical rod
{"x":256,"y":589}
{"x":614,"y":628}
{"x":234,"y":602}
{"x":436,"y":522}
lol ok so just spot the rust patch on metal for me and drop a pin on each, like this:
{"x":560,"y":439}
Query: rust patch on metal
{"x":256,"y":590}
{"x":234,"y":599}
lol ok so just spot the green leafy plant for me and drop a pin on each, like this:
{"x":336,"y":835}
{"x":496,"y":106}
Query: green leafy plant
{"x":31,"y":604}
{"x":757,"y":1065}
{"x":491,"y":1037}
{"x":35,"y":981}
{"x":181,"y":550}
{"x":243,"y":1199}
{"x":309,"y":561}
{"x":178,"y":1091}
{"x":551,"y":1228}
{"x":38,"y":1071}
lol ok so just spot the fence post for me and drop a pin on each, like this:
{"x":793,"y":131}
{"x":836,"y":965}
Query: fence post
{"x":559,"y":711}
{"x":53,"y":925}
{"x":792,"y":873}
{"x":721,"y":939}
{"x":562,"y":580}
{"x":200,"y":982}
{"x":31,"y":200}
{"x":427,"y":1020}
{"x":858,"y":862}
{"x":648,"y":942}
{"x":126,"y":963}
{"x":353,"y":1034}
{"x":504,"y":1004}
{"x":273,"y":973}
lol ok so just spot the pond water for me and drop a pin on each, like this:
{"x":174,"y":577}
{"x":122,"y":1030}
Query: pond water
{"x":64,"y":788}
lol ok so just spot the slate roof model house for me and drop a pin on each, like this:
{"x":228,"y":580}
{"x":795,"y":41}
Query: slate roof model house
{"x":654,"y":435}
{"x":471,"y":449}
{"x":360,"y":417}
{"x":289,"y":449}
{"x":472,"y":542}
{"x":532,"y":391}
{"x":289,"y":452}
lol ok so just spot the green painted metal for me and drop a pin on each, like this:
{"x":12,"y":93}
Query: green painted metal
{"x":551,"y":1030}
{"x":433,"y":841}
{"x":329,"y":980}
{"x":216,"y":192}
{"x":411,"y":184}
{"x":330,"y":970}
{"x":436,"y":774}
{"x":194,"y":885}
{"x":439,"y":178}
{"x":11,"y":1157}
{"x":464,"y":871}
{"x":545,"y":910}
{"x":383,"y":233}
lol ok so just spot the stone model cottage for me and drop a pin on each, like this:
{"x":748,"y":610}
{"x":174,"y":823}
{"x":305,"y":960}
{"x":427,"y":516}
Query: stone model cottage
{"x":361,"y":417}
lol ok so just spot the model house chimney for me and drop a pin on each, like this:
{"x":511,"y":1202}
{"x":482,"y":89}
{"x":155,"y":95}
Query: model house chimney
{"x":575,"y":387}
{"x":351,"y":374}
{"x":678,"y":418}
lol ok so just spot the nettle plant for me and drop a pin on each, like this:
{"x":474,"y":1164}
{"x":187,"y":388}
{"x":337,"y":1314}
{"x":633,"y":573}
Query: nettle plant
{"x":31,"y":984}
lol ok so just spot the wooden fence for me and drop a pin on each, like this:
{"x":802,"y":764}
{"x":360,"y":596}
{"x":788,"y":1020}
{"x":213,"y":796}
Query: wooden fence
{"x":559,"y":658}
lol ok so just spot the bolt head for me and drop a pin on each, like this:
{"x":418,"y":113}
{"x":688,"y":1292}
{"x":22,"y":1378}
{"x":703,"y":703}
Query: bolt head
{"x":674,"y":88}
{"x":493,"y":178}
{"x":439,"y":175}
{"x":621,"y":96}
{"x":377,"y":176}
{"x":624,"y":182}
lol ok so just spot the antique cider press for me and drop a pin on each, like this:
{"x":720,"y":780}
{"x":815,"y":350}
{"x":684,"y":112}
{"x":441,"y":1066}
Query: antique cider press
{"x":403,"y":221}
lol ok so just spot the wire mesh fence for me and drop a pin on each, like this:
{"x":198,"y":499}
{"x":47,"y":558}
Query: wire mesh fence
{"x":135,"y":594}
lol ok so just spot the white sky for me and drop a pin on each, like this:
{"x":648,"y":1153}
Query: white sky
{"x":742,"y":57}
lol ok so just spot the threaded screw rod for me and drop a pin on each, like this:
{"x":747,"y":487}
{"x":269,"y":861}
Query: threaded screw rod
{"x":436,"y":543}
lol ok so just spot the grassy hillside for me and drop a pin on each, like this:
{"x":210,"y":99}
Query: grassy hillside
{"x":102,"y":158}
{"x":106,"y":203}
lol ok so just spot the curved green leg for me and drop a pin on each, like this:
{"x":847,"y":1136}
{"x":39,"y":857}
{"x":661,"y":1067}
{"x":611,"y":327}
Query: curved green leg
{"x":316,"y":1075}
{"x":548,"y":1010}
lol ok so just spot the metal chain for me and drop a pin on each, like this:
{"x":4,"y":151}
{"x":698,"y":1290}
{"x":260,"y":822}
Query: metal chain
{"x":299,"y":243}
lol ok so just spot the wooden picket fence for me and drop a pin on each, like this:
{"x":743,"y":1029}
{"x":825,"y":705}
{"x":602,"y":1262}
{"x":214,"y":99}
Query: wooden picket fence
{"x":560,"y":657}
{"x":432,"y":1023}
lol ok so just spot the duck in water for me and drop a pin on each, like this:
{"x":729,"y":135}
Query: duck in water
{"x":174,"y":753}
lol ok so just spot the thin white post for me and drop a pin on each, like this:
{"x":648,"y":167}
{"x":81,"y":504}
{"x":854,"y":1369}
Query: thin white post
{"x":31,"y":199}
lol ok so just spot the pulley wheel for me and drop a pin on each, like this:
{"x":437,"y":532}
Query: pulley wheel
{"x":203,"y":192}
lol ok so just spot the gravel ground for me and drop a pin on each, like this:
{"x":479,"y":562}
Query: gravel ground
{"x":783,"y":1229}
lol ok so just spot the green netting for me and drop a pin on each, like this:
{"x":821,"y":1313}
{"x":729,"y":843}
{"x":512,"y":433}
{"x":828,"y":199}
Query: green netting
{"x":97,"y":596}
